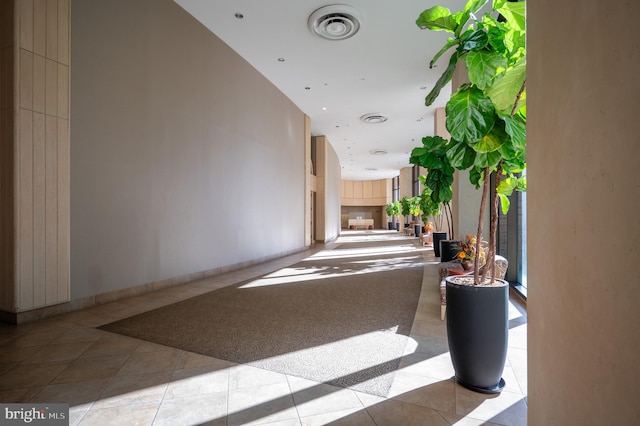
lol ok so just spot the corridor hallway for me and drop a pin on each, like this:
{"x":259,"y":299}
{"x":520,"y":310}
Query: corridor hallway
{"x":108,"y":378}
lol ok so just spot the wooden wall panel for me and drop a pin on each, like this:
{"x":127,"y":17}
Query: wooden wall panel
{"x":7,"y":154}
{"x":365,"y":193}
{"x":367,"y":189}
{"x":39,"y":246}
{"x":357,"y":190}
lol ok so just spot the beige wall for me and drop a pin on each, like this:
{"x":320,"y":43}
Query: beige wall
{"x":583,"y":202}
{"x":35,"y":217}
{"x":185,"y":160}
{"x":328,"y":191}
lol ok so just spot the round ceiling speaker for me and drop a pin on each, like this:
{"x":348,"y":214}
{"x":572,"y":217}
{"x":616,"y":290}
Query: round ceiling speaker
{"x":335,"y":22}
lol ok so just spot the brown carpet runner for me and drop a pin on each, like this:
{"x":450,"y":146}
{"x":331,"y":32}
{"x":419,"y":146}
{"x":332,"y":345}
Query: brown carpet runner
{"x":341,"y":316}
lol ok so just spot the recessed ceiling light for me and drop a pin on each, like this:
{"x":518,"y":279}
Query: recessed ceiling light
{"x":371,"y":169}
{"x":324,"y":108}
{"x":335,"y":22}
{"x":377,"y":152}
{"x":374,"y":118}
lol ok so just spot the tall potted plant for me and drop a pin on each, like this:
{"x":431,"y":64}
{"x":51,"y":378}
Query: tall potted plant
{"x":437,"y":194}
{"x":392,"y":210}
{"x":416,"y":211}
{"x":486,"y":119}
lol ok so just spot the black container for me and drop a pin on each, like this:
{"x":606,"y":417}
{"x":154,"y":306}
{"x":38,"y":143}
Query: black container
{"x":437,"y":237}
{"x":449,"y":249}
{"x":390,"y":226}
{"x":477,"y":331}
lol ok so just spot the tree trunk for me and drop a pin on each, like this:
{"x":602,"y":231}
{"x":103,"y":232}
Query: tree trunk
{"x":483,"y":201}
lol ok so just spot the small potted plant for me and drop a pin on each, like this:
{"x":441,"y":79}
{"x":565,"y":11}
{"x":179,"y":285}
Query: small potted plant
{"x":426,"y":233}
{"x":467,"y":252}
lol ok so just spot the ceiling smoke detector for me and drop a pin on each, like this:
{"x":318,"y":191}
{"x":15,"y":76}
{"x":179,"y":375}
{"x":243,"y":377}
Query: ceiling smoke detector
{"x":335,"y":22}
{"x":374,"y":118}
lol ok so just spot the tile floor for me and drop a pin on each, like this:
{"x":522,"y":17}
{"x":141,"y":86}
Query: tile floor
{"x":108,"y":379}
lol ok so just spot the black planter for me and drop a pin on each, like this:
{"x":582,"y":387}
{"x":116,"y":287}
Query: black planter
{"x":416,"y":229}
{"x":397,"y":226}
{"x":449,"y":250}
{"x":390,"y":225}
{"x":437,"y":237}
{"x":478,"y":330}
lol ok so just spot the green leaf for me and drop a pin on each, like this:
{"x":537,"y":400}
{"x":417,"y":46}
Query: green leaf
{"x":487,"y":159}
{"x":504,"y":92}
{"x":504,"y":203}
{"x":437,"y":18}
{"x":433,"y":180}
{"x":507,"y":186}
{"x":484,"y":67}
{"x":492,"y":141}
{"x":507,"y":151}
{"x":510,"y":184}
{"x":476,"y":176}
{"x":514,"y":13}
{"x":496,"y":32}
{"x":450,"y":43}
{"x":443,"y":80}
{"x":516,"y":127}
{"x":477,"y":39}
{"x":473,"y":6}
{"x":434,"y":143}
{"x":447,"y":176}
{"x":470,"y":115}
{"x":446,"y":194}
{"x":461,"y":155}
{"x":431,"y":161}
{"x":522,"y":184}
{"x":516,"y":164}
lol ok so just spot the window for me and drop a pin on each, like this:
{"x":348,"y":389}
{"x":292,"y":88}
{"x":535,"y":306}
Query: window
{"x":512,"y":241}
{"x":395,"y":189}
{"x":313,"y":156}
{"x":415,"y":181}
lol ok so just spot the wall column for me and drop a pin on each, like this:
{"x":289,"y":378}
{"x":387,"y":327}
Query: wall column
{"x":35,"y":153}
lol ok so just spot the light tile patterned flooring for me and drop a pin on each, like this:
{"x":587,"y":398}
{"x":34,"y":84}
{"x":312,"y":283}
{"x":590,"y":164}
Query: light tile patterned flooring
{"x":108,"y":379}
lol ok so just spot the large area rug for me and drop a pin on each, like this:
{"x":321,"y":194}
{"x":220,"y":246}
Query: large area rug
{"x":341,"y":316}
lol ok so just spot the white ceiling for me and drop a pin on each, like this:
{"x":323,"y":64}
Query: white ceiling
{"x":383,"y":69}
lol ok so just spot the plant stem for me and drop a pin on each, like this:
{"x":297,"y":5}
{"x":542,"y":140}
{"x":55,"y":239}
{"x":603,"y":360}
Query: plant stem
{"x":483,"y":202}
{"x":491,"y":255}
{"x":449,"y":213}
{"x":515,"y":105}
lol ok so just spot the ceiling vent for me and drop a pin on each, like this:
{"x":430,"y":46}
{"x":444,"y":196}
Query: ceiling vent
{"x":374,"y":118}
{"x":335,"y":22}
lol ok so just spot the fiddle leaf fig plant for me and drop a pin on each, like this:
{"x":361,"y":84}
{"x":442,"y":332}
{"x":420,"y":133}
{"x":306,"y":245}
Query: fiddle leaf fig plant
{"x":393,"y":209}
{"x":433,"y":157}
{"x":486,"y":116}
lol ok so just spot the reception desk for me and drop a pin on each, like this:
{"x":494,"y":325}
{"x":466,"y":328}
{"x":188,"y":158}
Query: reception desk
{"x":360,"y":223}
